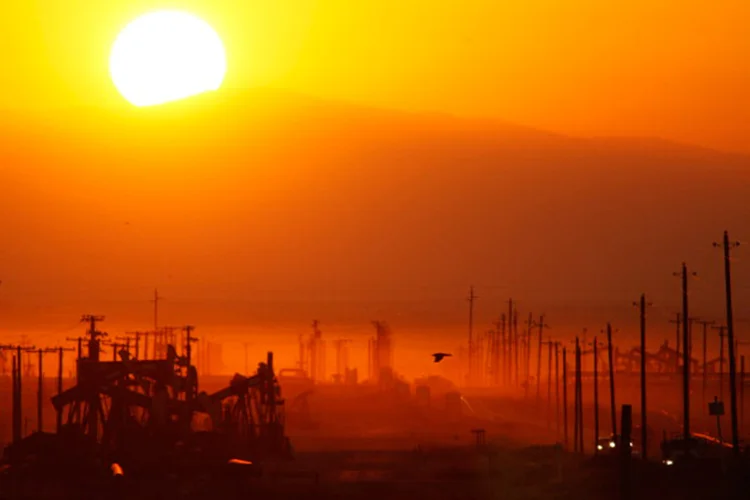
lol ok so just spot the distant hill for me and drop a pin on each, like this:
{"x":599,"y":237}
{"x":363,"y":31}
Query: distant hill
{"x":262,"y":193}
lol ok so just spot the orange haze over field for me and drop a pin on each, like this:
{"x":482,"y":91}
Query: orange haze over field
{"x":385,"y":177}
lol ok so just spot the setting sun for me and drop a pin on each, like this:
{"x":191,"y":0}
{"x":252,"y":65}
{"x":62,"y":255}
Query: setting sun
{"x":165,"y":56}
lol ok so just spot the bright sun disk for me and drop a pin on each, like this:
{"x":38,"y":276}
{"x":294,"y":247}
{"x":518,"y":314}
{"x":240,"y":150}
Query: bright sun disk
{"x":165,"y":56}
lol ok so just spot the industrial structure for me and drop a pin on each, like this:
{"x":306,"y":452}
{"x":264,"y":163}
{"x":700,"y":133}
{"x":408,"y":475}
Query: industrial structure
{"x":150,"y":412}
{"x":380,"y":354}
{"x":312,"y":354}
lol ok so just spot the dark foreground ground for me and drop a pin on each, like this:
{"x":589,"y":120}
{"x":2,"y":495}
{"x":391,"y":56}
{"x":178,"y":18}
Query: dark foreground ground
{"x":458,"y":472}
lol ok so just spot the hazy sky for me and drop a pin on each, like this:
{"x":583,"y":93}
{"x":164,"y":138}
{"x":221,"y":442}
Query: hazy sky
{"x":350,"y":214}
{"x":676,"y":69}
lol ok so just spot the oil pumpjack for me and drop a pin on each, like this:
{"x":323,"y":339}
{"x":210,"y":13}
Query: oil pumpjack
{"x":148,"y":413}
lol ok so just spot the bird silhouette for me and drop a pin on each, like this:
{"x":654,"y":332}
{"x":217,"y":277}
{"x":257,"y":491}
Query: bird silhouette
{"x":439,"y":356}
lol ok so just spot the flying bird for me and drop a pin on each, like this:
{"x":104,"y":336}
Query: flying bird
{"x":439,"y":356}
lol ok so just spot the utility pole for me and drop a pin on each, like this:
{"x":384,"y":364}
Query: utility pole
{"x":612,"y":406}
{"x":727,"y":246}
{"x":136,"y":337}
{"x":690,"y":339}
{"x":189,"y":339}
{"x":115,"y":346}
{"x":625,"y":453}
{"x":126,"y":345}
{"x":17,"y":406}
{"x":575,"y":397}
{"x":509,"y":367}
{"x":79,"y":343}
{"x":579,"y":398}
{"x":557,"y":390}
{"x":40,"y":389}
{"x":705,"y":325}
{"x":742,"y":393}
{"x":500,"y":329}
{"x":471,"y":300}
{"x":145,"y":344}
{"x":515,"y":347}
{"x":721,"y":359}
{"x":644,"y":444}
{"x":541,"y":326}
{"x":550,"y":345}
{"x":539,"y":365}
{"x":60,"y":351}
{"x":93,"y":355}
{"x":565,"y":397}
{"x":527,"y":355}
{"x":596,"y":395}
{"x":93,"y":334}
{"x":14,"y":387}
{"x":678,"y":322}
{"x":685,"y":355}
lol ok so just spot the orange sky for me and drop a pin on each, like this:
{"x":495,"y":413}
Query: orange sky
{"x":675,"y":69}
{"x":337,"y":210}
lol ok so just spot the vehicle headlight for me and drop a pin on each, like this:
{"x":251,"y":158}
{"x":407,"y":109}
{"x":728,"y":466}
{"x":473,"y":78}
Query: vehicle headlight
{"x":631,"y":444}
{"x":611,"y":444}
{"x":668,"y":462}
{"x":599,"y":447}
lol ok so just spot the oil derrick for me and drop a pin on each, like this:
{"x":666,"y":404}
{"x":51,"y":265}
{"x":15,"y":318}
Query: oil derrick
{"x":251,"y":413}
{"x":342,"y":360}
{"x":382,"y":353}
{"x":144,"y":410}
{"x":316,"y":353}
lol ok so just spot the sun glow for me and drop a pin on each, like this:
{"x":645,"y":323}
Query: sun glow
{"x":165,"y":56}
